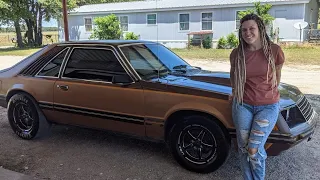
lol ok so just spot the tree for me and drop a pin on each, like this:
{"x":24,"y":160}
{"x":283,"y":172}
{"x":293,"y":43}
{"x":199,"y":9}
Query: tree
{"x":262,"y":10}
{"x":33,"y":12}
{"x":108,"y":27}
{"x":11,"y":13}
{"x":84,"y":2}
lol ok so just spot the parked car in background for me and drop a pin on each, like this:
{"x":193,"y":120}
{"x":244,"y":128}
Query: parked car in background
{"x":139,"y":88}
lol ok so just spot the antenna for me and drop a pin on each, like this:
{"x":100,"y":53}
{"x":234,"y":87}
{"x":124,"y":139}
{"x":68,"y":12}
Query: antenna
{"x":300,"y":26}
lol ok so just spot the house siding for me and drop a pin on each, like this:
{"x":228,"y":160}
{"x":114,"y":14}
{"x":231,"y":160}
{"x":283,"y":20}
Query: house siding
{"x":167,"y":28}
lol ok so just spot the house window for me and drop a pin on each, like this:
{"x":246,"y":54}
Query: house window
{"x":124,"y":23}
{"x":151,"y":18}
{"x":237,"y":19}
{"x":88,"y":24}
{"x":184,"y":22}
{"x":206,"y":21}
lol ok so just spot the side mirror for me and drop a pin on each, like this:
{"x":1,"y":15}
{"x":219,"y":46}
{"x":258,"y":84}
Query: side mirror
{"x":122,"y":79}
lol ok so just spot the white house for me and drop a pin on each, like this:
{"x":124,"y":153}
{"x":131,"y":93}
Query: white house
{"x":170,"y":21}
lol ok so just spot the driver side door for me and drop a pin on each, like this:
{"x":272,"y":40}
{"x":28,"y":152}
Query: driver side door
{"x":86,"y":94}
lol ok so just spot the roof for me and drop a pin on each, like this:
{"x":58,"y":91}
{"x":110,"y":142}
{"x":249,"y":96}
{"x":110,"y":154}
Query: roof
{"x":200,"y":32}
{"x":106,"y":42}
{"x":160,"y":5}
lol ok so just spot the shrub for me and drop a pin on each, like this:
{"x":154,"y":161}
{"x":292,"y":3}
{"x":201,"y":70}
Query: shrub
{"x":108,"y":27}
{"x":222,"y":43}
{"x":131,"y":36}
{"x":232,"y":40}
{"x":207,"y":42}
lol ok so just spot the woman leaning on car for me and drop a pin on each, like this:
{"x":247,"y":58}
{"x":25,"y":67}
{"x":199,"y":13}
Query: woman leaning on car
{"x":255,"y":75}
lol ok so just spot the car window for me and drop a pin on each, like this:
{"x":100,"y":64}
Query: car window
{"x":93,"y":64}
{"x":144,"y":61}
{"x":53,"y":67}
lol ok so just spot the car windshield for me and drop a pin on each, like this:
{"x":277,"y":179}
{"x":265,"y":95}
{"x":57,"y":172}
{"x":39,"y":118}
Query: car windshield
{"x":153,"y":60}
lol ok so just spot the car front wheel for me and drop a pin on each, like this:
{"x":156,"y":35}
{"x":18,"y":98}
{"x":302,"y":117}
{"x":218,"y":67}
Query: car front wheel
{"x":24,"y":117}
{"x":199,"y":144}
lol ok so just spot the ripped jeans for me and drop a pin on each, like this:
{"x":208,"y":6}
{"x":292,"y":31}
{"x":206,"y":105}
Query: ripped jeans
{"x":253,"y":126}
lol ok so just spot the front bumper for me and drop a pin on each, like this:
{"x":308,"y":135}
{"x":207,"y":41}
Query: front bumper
{"x":282,"y":142}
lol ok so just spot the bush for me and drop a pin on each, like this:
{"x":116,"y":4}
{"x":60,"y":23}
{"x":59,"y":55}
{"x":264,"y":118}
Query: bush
{"x":108,"y":27}
{"x":232,"y":40}
{"x":131,"y":36}
{"x":222,"y":43}
{"x":207,"y":42}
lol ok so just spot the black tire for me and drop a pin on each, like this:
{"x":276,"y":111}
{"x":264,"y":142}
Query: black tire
{"x":185,"y":146}
{"x":25,"y":117}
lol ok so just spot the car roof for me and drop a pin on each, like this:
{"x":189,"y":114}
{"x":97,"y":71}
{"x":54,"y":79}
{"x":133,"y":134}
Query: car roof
{"x":105,"y":42}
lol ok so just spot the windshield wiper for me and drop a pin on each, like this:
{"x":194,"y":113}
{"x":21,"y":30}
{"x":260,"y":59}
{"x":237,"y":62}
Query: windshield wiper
{"x":178,"y":67}
{"x":181,"y":68}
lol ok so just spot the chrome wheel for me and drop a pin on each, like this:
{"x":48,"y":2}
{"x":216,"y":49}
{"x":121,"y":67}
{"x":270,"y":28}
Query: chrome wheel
{"x":23,"y":117}
{"x":197,"y":144}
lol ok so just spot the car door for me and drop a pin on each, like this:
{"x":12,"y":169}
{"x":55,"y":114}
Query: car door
{"x":96,"y":91}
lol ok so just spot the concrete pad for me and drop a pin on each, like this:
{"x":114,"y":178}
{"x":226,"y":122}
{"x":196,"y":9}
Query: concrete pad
{"x":11,"y":175}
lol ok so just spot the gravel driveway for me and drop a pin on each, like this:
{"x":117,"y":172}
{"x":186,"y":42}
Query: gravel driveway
{"x":76,"y":153}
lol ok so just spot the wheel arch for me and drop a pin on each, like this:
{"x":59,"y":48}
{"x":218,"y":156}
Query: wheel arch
{"x":176,"y":117}
{"x":12,"y":92}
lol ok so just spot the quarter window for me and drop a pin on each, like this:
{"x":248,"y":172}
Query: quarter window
{"x":53,"y":67}
{"x":93,"y":64}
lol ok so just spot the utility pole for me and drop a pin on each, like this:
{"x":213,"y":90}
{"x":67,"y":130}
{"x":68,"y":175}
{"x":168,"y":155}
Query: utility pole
{"x":65,"y":20}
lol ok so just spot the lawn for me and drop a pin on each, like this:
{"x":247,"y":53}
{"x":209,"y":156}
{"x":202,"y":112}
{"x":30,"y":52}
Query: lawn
{"x":5,"y":38}
{"x":294,"y":55}
{"x":17,"y":52}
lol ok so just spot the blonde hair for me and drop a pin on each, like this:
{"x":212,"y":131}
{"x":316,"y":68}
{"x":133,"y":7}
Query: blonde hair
{"x":240,"y":62}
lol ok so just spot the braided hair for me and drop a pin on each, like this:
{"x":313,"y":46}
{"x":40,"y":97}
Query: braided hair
{"x":240,"y":65}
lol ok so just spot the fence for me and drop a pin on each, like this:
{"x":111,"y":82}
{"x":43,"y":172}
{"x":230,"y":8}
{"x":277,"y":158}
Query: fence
{"x":313,"y":35}
{"x":10,"y":39}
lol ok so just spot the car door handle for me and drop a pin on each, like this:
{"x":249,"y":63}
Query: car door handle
{"x":63,"y":87}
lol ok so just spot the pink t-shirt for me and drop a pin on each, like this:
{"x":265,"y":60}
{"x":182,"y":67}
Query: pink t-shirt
{"x":257,"y":90}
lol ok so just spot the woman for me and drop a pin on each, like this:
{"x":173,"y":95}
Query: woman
{"x":255,"y":75}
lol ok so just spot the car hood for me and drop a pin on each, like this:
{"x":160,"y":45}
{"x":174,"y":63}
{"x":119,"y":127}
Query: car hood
{"x":219,"y":82}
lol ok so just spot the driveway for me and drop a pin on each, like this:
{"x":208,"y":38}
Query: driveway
{"x":76,"y":153}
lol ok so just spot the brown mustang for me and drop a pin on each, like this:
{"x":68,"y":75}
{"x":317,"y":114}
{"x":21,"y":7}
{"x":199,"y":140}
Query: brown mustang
{"x":143,"y":89}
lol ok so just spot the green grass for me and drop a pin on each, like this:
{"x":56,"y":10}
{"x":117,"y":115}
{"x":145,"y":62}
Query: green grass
{"x":309,"y":55}
{"x":5,"y":38}
{"x":17,"y":51}
{"x":294,"y":54}
{"x":197,"y":53}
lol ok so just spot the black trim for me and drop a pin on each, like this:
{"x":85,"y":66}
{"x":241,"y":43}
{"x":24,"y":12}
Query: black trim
{"x":3,"y":101}
{"x":94,"y":113}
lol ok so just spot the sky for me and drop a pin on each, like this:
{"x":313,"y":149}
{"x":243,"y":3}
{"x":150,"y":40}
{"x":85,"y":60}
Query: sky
{"x":51,"y":23}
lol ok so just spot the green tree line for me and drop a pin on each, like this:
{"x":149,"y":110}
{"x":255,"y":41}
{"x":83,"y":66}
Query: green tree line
{"x":31,"y":13}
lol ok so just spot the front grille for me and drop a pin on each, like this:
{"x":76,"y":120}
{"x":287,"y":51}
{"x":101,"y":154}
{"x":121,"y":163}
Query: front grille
{"x":298,"y":114}
{"x":305,"y":108}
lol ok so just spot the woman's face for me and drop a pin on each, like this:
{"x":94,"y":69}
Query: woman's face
{"x":250,"y":32}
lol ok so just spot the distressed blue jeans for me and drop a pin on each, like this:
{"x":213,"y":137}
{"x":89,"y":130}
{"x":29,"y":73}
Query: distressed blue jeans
{"x":253,"y":126}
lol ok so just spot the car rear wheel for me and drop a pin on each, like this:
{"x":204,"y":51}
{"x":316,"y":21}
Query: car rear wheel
{"x":199,"y":144}
{"x":25,"y":117}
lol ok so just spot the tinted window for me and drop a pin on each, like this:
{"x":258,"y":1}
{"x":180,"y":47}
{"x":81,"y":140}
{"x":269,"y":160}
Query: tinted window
{"x":53,"y":67}
{"x":93,"y":64}
{"x":144,"y":61}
